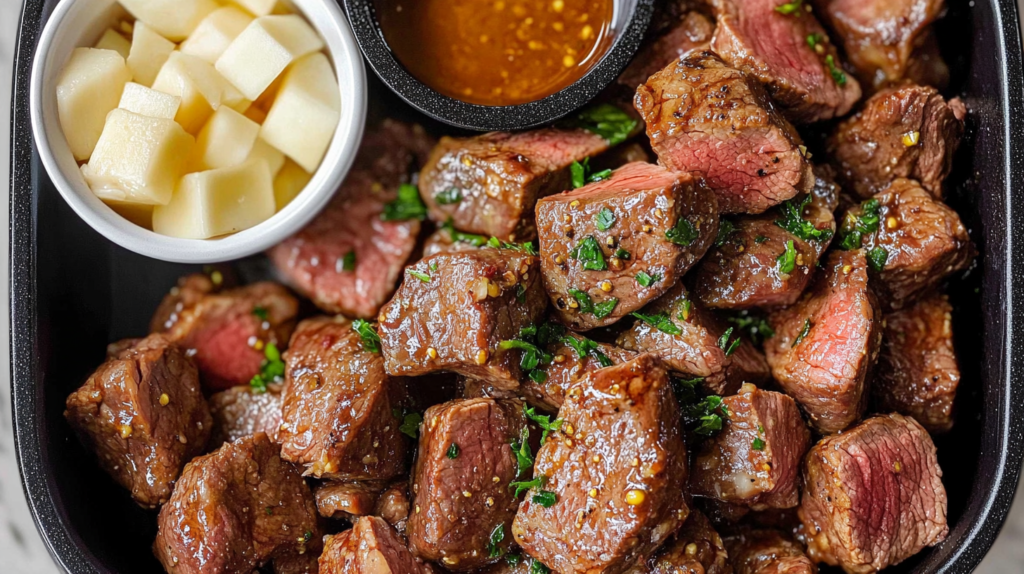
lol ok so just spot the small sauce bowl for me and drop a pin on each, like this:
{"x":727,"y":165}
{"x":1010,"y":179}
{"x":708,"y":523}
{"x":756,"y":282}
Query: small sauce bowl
{"x":629,"y":24}
{"x":77,"y":23}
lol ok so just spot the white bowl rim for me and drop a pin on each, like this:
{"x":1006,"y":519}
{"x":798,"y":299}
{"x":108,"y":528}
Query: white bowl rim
{"x":340,"y":46}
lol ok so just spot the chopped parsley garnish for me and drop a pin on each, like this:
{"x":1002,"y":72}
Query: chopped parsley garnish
{"x":758,"y":444}
{"x":661,"y":322}
{"x":581,"y":174}
{"x":605,"y":308}
{"x":686,"y":389}
{"x":269,"y":510}
{"x":706,"y":415}
{"x":527,"y":248}
{"x":814,"y":39}
{"x":683,"y":233}
{"x":513,"y":559}
{"x":725,"y":229}
{"x":646,"y":280}
{"x":348,"y":262}
{"x":307,"y":536}
{"x":419,"y":275}
{"x":410,"y":425}
{"x":760,"y":239}
{"x":538,"y":568}
{"x":533,"y":357}
{"x":793,"y":221}
{"x":755,"y":326}
{"x":409,"y":205}
{"x":791,"y":7}
{"x":588,"y":252}
{"x":599,"y":175}
{"x":837,"y":74}
{"x":584,"y":347}
{"x":621,"y":253}
{"x":368,"y":335}
{"x":607,"y":121}
{"x":449,"y":196}
{"x":458,"y":236}
{"x":855,"y":227}
{"x":523,"y":486}
{"x":803,"y":333}
{"x":545,"y":498}
{"x":726,"y":345}
{"x":432,"y":266}
{"x":271,"y":369}
{"x":453,"y":451}
{"x":544,"y":422}
{"x":685,"y":308}
{"x":604,"y":219}
{"x":787,"y":261}
{"x":523,"y":454}
{"x":586,"y":304}
{"x":877,"y":258}
{"x":497,"y":535}
{"x":260,"y":312}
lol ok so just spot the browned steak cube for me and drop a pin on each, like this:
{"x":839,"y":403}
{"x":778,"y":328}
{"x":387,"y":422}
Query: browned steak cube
{"x":143,"y":414}
{"x":447,"y":240}
{"x":393,"y":505}
{"x":237,"y":509}
{"x":789,"y":53}
{"x":755,"y":459}
{"x":460,"y":485}
{"x":764,"y":551}
{"x":885,"y":39}
{"x":370,"y":547}
{"x":917,"y":371}
{"x":767,"y":260}
{"x":189,"y":290}
{"x":688,"y":337}
{"x":910,"y":131}
{"x":612,"y":246}
{"x":244,"y":411}
{"x":343,"y":500}
{"x":338,"y":404}
{"x":227,"y":332}
{"x":690,"y":31}
{"x":695,"y":549}
{"x":453,"y":310}
{"x":917,"y":241}
{"x":825,"y":346}
{"x":711,"y":120}
{"x":567,"y":367}
{"x":489,"y":184}
{"x":873,"y":495}
{"x":616,"y":471}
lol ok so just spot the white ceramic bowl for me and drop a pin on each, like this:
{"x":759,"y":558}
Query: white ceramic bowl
{"x":77,"y":23}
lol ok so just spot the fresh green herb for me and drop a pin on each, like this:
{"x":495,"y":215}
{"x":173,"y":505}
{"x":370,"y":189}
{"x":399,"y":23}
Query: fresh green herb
{"x":409,"y":205}
{"x":411,"y":424}
{"x":791,"y":7}
{"x":605,"y":308}
{"x":419,"y":275}
{"x":260,"y":312}
{"x":348,"y":262}
{"x":837,"y":74}
{"x":449,"y":196}
{"x":607,"y":121}
{"x":513,"y":559}
{"x":726,"y":345}
{"x":545,"y":498}
{"x":586,"y":304}
{"x":855,"y":227}
{"x":661,"y":322}
{"x":793,"y":221}
{"x":497,"y":535}
{"x":271,"y":369}
{"x":685,"y":308}
{"x":544,"y":422}
{"x":760,"y":429}
{"x":538,"y":568}
{"x":549,"y":333}
{"x":458,"y":236}
{"x":269,"y":510}
{"x":877,"y":258}
{"x":307,"y":536}
{"x":646,"y":280}
{"x":725,"y":229}
{"x":585,"y":347}
{"x":621,"y":253}
{"x":706,"y":415}
{"x":453,"y":451}
{"x":588,"y":252}
{"x":683,"y":233}
{"x":527,"y":248}
{"x":787,"y":261}
{"x":368,"y":335}
{"x":524,"y":456}
{"x":599,"y":175}
{"x":758,"y":444}
{"x":521,"y":292}
{"x":432,"y":266}
{"x":814,"y":39}
{"x":578,"y":171}
{"x":760,"y":239}
{"x":533,"y":356}
{"x":538,"y":376}
{"x":755,"y":326}
{"x":523,"y":486}
{"x":604,"y":219}
{"x":803,"y":333}
{"x":686,"y":389}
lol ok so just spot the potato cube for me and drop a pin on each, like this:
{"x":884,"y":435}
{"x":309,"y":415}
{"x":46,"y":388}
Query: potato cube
{"x":264,"y":49}
{"x":200,"y":88}
{"x":215,"y":32}
{"x":90,"y":85}
{"x":149,"y":102}
{"x":148,"y":54}
{"x":305,"y":114}
{"x":266,"y":152}
{"x":138,"y":159}
{"x":226,"y":140}
{"x":216,"y":202}
{"x":111,"y":40}
{"x":173,"y":19}
{"x":257,"y":7}
{"x":290,"y":181}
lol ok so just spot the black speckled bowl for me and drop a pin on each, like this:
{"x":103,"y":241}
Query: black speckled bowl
{"x":629,"y":25}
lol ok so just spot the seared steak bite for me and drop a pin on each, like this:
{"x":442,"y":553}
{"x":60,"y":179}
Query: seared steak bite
{"x":913,"y":241}
{"x":917,"y":371}
{"x":567,"y":367}
{"x":339,"y":405}
{"x":454,"y":310}
{"x":755,"y":459}
{"x":244,"y":411}
{"x":909,"y":131}
{"x":461,"y":492}
{"x":883,"y":39}
{"x":789,"y":53}
{"x":344,"y":500}
{"x":227,"y":332}
{"x":489,"y":184}
{"x":612,"y":246}
{"x":765,"y":551}
{"x":393,"y":505}
{"x":873,"y":495}
{"x":143,"y":414}
{"x":688,"y":339}
{"x":826,"y":344}
{"x":237,"y":509}
{"x":189,"y":290}
{"x":690,"y":31}
{"x":695,"y":549}
{"x":616,"y":472}
{"x":370,"y":547}
{"x":711,"y":120}
{"x":446,"y":239}
{"x":767,"y":260}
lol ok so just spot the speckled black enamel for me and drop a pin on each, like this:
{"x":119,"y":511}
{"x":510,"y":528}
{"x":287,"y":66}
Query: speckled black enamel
{"x":636,"y":15}
{"x":72,"y":292}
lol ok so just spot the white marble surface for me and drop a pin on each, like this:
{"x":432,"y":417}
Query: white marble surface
{"x":21,"y":550}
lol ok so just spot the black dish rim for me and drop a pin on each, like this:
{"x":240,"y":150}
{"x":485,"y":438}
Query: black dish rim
{"x":361,"y":15}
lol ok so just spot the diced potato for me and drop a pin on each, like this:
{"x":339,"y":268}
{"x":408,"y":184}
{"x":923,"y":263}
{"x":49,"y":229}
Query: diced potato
{"x":266,"y":152}
{"x":264,"y":49}
{"x":216,"y":202}
{"x":90,"y":85}
{"x":148,"y":55}
{"x":149,"y":102}
{"x":138,"y":159}
{"x":215,"y":32}
{"x":290,"y":181}
{"x":141,"y":215}
{"x":200,"y":87}
{"x":305,"y":114}
{"x":226,"y":140}
{"x":257,"y":7}
{"x":173,"y":19}
{"x":111,"y":40}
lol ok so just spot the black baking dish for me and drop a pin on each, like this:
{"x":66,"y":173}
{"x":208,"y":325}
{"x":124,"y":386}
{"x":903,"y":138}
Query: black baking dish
{"x":72,"y":292}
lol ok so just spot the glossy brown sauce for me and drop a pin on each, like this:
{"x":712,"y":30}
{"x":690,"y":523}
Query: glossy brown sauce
{"x":497,"y":52}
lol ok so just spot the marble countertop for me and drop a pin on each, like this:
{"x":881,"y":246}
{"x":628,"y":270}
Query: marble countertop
{"x":21,"y":550}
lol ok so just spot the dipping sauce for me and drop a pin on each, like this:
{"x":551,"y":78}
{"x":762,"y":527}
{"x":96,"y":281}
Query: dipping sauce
{"x":497,"y":52}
